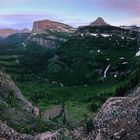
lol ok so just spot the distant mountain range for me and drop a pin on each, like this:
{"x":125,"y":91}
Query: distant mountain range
{"x":41,"y":26}
{"x":132,"y":27}
{"x":7,"y":32}
{"x":50,"y":34}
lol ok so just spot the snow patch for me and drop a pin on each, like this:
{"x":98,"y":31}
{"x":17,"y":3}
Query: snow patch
{"x":121,"y":58}
{"x":91,"y":51}
{"x":122,"y":37}
{"x":94,"y":34}
{"x":52,"y":30}
{"x":24,"y":45}
{"x":61,"y":85}
{"x":138,"y":53}
{"x":124,"y":63}
{"x":17,"y":61}
{"x":105,"y":35}
{"x":54,"y":82}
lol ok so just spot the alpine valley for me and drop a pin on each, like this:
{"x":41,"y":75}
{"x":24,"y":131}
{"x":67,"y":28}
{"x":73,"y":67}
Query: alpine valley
{"x":63,"y":83}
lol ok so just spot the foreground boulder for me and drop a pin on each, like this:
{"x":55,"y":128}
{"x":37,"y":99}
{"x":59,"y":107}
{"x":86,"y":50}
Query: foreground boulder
{"x":7,"y":133}
{"x":119,"y":118}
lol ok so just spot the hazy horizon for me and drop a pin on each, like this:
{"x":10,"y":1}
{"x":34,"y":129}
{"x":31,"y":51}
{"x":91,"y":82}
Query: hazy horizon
{"x":21,"y":14}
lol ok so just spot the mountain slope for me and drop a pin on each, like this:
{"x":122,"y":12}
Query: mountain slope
{"x":16,"y":110}
{"x":85,"y":59}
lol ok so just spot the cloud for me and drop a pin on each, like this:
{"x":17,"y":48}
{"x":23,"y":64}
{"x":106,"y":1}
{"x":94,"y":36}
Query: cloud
{"x":19,"y":20}
{"x":129,"y":6}
{"x":75,"y":21}
{"x":134,"y":20}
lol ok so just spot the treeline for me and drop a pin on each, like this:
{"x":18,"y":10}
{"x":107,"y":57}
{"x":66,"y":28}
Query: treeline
{"x":132,"y":82}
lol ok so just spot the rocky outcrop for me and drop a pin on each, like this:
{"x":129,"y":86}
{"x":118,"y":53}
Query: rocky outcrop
{"x":7,"y":133}
{"x":8,"y":88}
{"x":119,"y":118}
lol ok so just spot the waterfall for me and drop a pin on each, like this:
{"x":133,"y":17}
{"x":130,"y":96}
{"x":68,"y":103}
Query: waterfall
{"x":105,"y":72}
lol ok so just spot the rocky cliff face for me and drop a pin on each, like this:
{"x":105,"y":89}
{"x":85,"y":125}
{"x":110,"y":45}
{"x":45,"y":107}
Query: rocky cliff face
{"x":118,"y":119}
{"x":49,"y":43}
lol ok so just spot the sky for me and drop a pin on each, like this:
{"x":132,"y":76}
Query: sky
{"x":18,"y":14}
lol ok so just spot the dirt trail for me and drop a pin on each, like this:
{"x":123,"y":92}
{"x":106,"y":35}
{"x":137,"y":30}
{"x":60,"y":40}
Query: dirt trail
{"x":52,"y":112}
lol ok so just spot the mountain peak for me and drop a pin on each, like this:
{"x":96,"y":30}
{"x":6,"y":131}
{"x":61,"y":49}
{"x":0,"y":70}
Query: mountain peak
{"x":99,"y":22}
{"x":40,"y":26}
{"x":25,"y":30}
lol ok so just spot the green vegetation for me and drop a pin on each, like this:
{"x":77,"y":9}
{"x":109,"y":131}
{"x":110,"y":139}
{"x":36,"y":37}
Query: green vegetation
{"x":19,"y":119}
{"x":129,"y":84}
{"x":11,"y":99}
{"x":83,"y":60}
{"x":72,"y":76}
